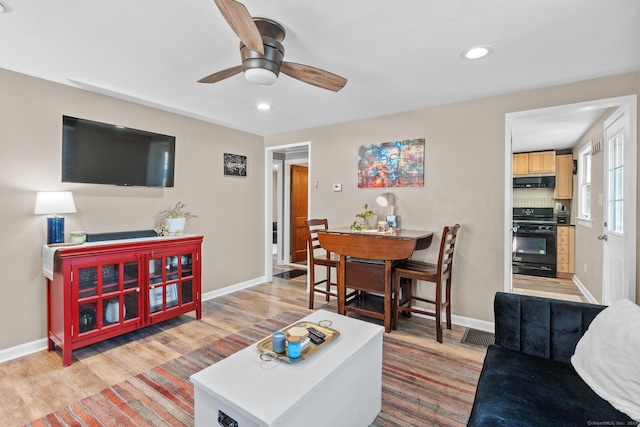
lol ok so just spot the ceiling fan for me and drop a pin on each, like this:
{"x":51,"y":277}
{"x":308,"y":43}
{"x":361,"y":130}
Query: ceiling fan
{"x":262,"y":52}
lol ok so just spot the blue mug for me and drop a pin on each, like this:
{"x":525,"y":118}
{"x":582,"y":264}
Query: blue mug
{"x":278,"y":341}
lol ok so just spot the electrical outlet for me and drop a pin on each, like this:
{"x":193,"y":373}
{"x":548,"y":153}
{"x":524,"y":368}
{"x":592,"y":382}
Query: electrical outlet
{"x":585,"y":267}
{"x":337,"y":187}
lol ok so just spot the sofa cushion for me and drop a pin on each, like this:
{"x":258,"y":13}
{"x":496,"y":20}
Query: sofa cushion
{"x":517,"y":389}
{"x":607,"y":356}
{"x":541,"y":326}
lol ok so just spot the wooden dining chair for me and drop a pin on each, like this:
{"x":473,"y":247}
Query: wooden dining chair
{"x":320,"y":257}
{"x":439,"y":273}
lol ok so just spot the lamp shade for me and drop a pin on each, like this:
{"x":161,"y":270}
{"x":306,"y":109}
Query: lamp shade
{"x":54,"y":202}
{"x":386,"y":199}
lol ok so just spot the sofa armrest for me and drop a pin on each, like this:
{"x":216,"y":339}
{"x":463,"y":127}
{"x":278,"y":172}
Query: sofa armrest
{"x":541,"y":327}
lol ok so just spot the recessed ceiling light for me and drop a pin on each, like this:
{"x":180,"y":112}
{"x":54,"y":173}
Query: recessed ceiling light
{"x":476,"y":52}
{"x":263,"y":106}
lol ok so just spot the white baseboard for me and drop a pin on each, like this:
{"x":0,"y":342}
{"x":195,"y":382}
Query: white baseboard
{"x":466,"y":322}
{"x":584,"y":290}
{"x":233,"y":288}
{"x":23,"y":350}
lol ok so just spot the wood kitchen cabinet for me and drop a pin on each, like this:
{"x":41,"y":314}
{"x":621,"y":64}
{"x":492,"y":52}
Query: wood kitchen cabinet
{"x":104,"y":289}
{"x":566,"y":251}
{"x":564,"y":177}
{"x":542,"y":162}
{"x":533,"y":163}
{"x":520,"y":163}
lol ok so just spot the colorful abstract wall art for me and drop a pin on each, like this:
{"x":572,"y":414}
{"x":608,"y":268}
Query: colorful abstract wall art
{"x":391,"y":164}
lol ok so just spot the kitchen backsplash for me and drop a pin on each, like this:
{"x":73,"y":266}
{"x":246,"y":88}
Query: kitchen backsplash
{"x":533,"y":198}
{"x":538,"y":198}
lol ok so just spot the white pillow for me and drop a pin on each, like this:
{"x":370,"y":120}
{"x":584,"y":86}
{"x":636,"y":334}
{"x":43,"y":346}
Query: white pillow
{"x":607,"y":356}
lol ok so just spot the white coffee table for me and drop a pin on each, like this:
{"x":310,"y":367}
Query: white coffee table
{"x":340,"y":385}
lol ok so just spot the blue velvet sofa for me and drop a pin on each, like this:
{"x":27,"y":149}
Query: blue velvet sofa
{"x":527,"y":378}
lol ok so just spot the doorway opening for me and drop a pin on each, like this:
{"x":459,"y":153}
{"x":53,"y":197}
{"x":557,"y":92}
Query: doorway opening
{"x":278,"y":200}
{"x":520,"y":136}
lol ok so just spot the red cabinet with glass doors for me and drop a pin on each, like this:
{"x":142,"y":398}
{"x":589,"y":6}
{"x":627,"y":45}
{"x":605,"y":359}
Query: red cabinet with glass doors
{"x":103,"y":289}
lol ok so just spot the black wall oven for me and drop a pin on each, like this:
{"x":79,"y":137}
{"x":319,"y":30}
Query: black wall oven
{"x":534,"y":242}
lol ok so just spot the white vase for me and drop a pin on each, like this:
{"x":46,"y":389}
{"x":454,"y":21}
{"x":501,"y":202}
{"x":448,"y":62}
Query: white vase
{"x":112,"y":311}
{"x":175,"y":226}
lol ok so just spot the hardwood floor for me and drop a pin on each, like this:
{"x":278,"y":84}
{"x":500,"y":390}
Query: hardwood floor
{"x":35,"y":385}
{"x":563,"y":289}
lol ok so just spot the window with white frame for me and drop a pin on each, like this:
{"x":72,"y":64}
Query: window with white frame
{"x":584,"y":183}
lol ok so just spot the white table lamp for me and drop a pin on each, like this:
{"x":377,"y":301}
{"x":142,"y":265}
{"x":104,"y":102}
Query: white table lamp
{"x":54,"y":203}
{"x":388,"y":200}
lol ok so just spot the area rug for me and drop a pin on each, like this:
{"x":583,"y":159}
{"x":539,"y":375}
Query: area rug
{"x":420,"y":387}
{"x":291,"y":274}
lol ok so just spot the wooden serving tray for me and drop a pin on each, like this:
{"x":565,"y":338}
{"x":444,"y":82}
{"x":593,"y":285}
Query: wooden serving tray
{"x":308,"y":350}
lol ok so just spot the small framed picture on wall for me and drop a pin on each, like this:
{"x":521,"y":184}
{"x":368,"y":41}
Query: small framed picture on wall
{"x":235,"y":165}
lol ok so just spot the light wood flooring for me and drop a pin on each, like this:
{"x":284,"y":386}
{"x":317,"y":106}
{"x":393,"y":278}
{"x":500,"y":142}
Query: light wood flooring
{"x":35,"y":385}
{"x":563,"y":289}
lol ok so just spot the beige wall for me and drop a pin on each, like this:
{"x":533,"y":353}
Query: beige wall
{"x":229,"y":209}
{"x":464,"y":175}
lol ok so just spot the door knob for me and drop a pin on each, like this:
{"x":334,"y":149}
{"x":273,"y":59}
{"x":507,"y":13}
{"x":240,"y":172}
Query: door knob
{"x":603,"y":237}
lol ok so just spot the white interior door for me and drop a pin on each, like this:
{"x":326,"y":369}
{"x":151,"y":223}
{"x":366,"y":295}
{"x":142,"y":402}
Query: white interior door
{"x":619,"y":211}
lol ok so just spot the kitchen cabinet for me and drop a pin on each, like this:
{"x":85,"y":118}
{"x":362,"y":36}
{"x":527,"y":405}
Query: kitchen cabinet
{"x":565,"y":251}
{"x":542,"y":162}
{"x":520,"y":163}
{"x":103,"y":289}
{"x":534,"y":163}
{"x":564,"y":177}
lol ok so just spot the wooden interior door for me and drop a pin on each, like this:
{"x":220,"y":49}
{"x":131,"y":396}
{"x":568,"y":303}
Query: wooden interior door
{"x":299,"y":213}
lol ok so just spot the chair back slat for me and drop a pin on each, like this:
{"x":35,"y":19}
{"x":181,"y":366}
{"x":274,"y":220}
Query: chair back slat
{"x":313,"y":243}
{"x":447,"y":247}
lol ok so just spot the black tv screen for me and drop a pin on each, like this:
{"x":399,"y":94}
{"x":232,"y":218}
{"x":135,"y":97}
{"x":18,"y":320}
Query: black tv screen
{"x":101,"y":153}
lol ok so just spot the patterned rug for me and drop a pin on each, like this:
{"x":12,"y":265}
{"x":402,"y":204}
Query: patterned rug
{"x":420,"y":387}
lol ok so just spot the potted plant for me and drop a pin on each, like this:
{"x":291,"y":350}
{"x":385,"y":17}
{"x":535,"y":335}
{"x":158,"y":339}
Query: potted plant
{"x":362,"y":219}
{"x":173,"y":220}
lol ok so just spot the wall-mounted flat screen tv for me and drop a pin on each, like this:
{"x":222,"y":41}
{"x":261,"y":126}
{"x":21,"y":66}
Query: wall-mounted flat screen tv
{"x":101,"y":153}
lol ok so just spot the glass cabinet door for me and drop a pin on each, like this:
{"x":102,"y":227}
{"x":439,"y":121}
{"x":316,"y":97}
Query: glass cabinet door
{"x":170,"y":281}
{"x":108,"y":295}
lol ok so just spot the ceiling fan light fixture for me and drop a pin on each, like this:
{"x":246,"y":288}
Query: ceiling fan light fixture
{"x":260,"y":76}
{"x":476,"y":52}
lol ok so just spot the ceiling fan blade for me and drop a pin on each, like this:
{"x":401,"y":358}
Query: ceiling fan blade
{"x":241,"y":23}
{"x":313,"y":76}
{"x":221,"y":75}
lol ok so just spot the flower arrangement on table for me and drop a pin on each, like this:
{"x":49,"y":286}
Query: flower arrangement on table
{"x":362,"y":219}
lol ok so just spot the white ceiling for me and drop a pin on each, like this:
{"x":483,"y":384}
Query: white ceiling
{"x":557,"y":130}
{"x":396,"y":55}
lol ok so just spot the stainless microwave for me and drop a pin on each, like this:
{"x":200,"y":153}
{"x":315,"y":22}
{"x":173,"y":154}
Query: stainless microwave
{"x":534,"y":182}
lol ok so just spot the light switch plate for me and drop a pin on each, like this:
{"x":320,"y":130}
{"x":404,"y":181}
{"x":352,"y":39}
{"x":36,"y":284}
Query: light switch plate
{"x":337,"y":187}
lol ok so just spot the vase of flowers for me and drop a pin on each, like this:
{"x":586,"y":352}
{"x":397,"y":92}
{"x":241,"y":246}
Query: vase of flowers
{"x":363,"y":219}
